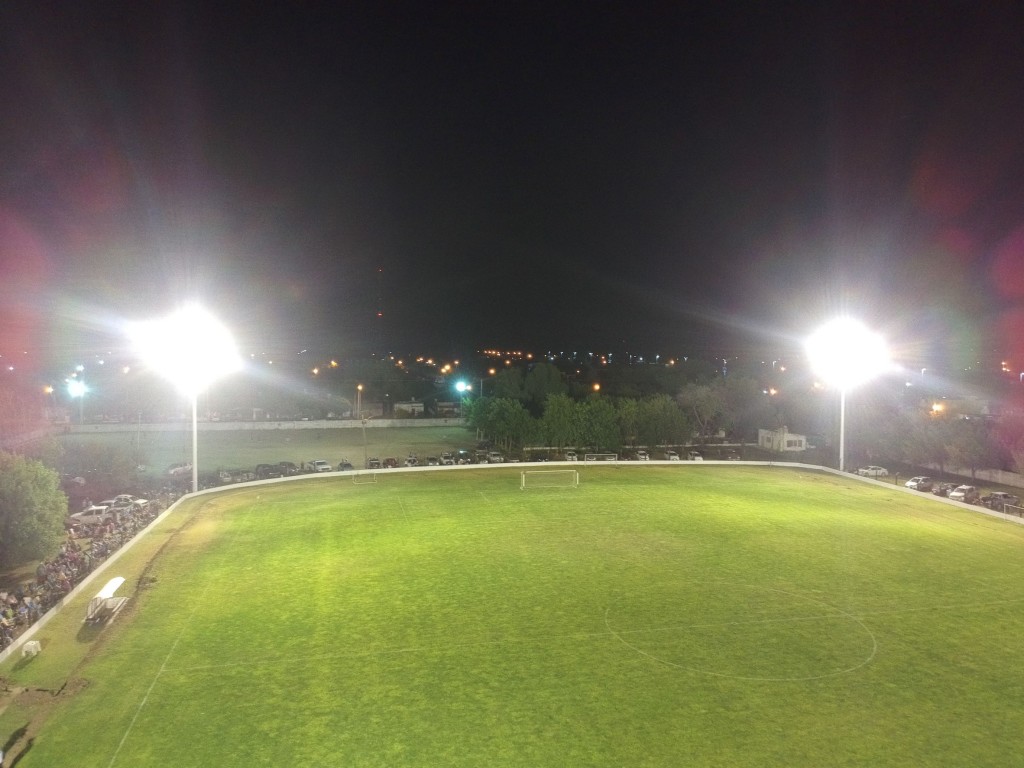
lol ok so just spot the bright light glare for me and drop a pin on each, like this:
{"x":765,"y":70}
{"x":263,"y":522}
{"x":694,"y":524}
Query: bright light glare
{"x":461,"y":386}
{"x":845,"y":353}
{"x":190,"y":347}
{"x":76,"y":388}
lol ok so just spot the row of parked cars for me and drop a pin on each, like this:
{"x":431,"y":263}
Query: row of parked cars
{"x":287,"y":468}
{"x":969,"y":494}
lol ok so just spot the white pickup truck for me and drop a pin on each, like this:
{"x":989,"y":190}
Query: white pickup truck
{"x":873,"y":471}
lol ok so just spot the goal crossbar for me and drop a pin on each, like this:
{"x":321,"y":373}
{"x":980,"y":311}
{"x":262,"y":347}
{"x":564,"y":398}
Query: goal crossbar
{"x":548,"y":478}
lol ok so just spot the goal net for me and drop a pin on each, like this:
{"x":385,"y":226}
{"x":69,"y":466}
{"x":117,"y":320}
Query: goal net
{"x":548,"y":478}
{"x":600,"y":457}
{"x":364,"y":479}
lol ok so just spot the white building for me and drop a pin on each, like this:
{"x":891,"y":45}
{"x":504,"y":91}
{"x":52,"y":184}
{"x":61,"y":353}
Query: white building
{"x":781,"y":440}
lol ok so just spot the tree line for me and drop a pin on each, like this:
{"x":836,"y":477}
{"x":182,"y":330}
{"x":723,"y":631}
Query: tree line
{"x":539,"y":409}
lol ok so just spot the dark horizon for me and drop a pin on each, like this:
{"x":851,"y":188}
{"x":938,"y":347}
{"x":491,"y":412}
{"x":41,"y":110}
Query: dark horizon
{"x":379,"y":177}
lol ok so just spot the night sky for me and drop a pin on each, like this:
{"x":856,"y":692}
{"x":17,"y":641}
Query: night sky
{"x":653,"y":177}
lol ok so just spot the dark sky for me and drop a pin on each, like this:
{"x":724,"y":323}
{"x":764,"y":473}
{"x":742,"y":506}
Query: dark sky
{"x":653,"y":177}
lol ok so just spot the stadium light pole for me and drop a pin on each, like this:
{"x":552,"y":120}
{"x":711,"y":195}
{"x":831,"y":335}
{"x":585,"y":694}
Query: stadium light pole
{"x":192,"y":349}
{"x":463,"y":389}
{"x":77,"y":388}
{"x":845,"y":353}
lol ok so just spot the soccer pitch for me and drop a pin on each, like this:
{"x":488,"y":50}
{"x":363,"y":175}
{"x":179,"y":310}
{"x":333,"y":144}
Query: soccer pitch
{"x":652,"y":616}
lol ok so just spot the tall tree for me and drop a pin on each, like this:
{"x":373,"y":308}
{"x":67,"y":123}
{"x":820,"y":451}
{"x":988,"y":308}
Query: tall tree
{"x":969,"y":446}
{"x":628,"y":412}
{"x":923,"y":439}
{"x":598,"y":424}
{"x":559,"y":422}
{"x":747,"y":407}
{"x":661,"y":422}
{"x":32,"y":510}
{"x":508,"y":383}
{"x":705,"y":405}
{"x":542,"y":381}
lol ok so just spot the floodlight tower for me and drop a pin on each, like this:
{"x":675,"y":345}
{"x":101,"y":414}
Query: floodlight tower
{"x":463,"y":389}
{"x":845,"y":353}
{"x":192,"y":349}
{"x":77,"y":389}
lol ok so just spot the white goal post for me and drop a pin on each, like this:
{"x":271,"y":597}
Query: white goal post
{"x":600,"y":457}
{"x":364,"y":479}
{"x":548,"y":478}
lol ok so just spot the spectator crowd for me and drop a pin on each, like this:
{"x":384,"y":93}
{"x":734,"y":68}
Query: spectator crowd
{"x":85,"y":548}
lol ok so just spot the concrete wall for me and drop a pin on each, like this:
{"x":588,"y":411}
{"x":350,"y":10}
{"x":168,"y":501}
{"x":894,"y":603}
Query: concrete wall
{"x":244,"y":426}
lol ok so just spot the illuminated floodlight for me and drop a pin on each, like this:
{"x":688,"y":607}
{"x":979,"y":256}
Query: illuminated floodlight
{"x":845,"y":353}
{"x":192,"y":349}
{"x":77,"y":388}
{"x":461,"y":386}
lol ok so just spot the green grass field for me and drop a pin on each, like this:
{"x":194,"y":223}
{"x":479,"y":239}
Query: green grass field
{"x":653,"y":616}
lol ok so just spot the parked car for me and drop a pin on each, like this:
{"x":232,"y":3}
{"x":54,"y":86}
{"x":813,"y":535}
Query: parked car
{"x":671,"y":456}
{"x":390,"y":462}
{"x":320,"y":465}
{"x":235,"y":475}
{"x":433,"y":461}
{"x":373,"y":463}
{"x":345,"y":466}
{"x":965,"y":493}
{"x":943,"y":489}
{"x":731,"y":456}
{"x":873,"y":471}
{"x":999,"y":499}
{"x":643,"y":456}
{"x":447,"y":459}
{"x":180,"y":469}
{"x":288,"y":468}
{"x":494,"y":457}
{"x":126,"y":499}
{"x":267,"y":471}
{"x":412,"y":461}
{"x":462,"y":456}
{"x":694,"y":456}
{"x":919,"y":483}
{"x":571,"y":456}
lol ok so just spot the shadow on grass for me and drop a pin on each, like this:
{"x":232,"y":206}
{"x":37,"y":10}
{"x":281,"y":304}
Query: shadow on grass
{"x":89,"y":632}
{"x":14,"y":737}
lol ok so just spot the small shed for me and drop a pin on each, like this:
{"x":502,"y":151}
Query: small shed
{"x":781,"y":440}
{"x":106,"y":604}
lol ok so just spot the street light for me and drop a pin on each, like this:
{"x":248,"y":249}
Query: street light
{"x":192,"y":349}
{"x":359,"y":401}
{"x":844,"y":353}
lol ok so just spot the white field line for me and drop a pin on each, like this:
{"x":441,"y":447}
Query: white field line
{"x":156,"y":678}
{"x":163,"y":667}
